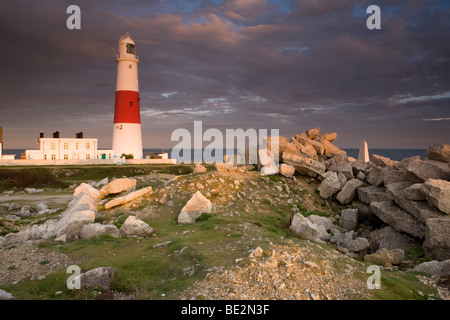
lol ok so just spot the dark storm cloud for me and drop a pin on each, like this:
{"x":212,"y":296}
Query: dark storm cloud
{"x":289,"y":65}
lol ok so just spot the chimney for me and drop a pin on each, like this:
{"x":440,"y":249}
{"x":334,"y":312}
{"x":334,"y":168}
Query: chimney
{"x":56,"y":135}
{"x":41,"y":134}
{"x":79,"y":135}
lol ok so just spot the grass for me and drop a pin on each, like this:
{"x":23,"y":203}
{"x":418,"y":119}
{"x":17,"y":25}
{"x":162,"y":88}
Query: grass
{"x":28,"y":178}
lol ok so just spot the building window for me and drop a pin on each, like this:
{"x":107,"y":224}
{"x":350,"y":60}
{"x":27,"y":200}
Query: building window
{"x":76,"y":145}
{"x":131,"y":103}
{"x":130,"y":66}
{"x":53,"y":145}
{"x":45,"y":157}
{"x":88,"y":156}
{"x":78,"y":157}
{"x":53,"y":156}
{"x":88,"y":145}
{"x":66,"y":157}
{"x":66,"y":145}
{"x":109,"y":155}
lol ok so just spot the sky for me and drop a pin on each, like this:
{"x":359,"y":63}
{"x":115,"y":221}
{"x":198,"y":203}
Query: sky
{"x":262,"y":64}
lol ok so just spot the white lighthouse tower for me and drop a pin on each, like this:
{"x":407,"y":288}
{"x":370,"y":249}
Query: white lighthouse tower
{"x":127,"y":135}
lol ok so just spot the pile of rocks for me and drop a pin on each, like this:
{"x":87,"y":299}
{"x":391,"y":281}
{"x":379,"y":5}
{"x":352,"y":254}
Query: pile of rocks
{"x":78,"y":220}
{"x":411,"y":196}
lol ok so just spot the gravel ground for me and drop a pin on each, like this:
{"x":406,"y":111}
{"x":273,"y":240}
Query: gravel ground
{"x":284,"y":273}
{"x":27,"y":262}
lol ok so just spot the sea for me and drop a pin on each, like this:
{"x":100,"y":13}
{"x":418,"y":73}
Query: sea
{"x":393,"y":154}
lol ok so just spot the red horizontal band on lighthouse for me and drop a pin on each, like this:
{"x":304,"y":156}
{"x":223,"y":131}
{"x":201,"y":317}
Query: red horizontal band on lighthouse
{"x":127,"y":108}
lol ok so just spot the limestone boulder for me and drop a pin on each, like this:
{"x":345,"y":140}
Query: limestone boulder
{"x":41,"y":207}
{"x":348,"y":192}
{"x":16,"y":238}
{"x":303,"y":228}
{"x":102,"y":183}
{"x":350,"y":241}
{"x":87,"y":189}
{"x":102,"y":278}
{"x":43,"y":231}
{"x":323,"y":222}
{"x":414,"y":192}
{"x":359,"y":165}
{"x":310,"y":133}
{"x":329,"y":186}
{"x":437,"y":238}
{"x":199,"y":168}
{"x":375,"y":177}
{"x":118,"y":186}
{"x":330,"y":150}
{"x":421,"y":171}
{"x":71,"y":223}
{"x":382,"y":161}
{"x":390,"y":175}
{"x":398,"y":219}
{"x":389,"y":238}
{"x":419,"y":209}
{"x":303,"y":165}
{"x":344,"y":167}
{"x":384,"y":256}
{"x":134,"y":227}
{"x":329,"y":136}
{"x":223,"y":167}
{"x":439,"y":152}
{"x":194,"y":208}
{"x":287,"y":170}
{"x":436,"y":268}
{"x":128,"y":198}
{"x":307,"y":147}
{"x":349,"y":219}
{"x":95,"y":230}
{"x":437,"y":192}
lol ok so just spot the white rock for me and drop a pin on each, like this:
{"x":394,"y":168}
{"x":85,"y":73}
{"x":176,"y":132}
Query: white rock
{"x":72,"y":222}
{"x":135,"y":227}
{"x":194,"y":208}
{"x":87,"y":189}
{"x":102,"y":182}
{"x":127,"y":198}
{"x":5,"y":295}
{"x":118,"y":185}
{"x":94,"y":230}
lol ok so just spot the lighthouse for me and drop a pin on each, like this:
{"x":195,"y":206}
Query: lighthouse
{"x":127,"y":135}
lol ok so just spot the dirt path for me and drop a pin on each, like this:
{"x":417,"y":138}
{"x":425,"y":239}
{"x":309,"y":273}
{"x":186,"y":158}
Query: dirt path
{"x":36,"y":198}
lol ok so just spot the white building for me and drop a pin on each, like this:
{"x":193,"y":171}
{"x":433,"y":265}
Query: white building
{"x":78,"y":148}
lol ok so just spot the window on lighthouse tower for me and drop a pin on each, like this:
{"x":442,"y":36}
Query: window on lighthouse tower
{"x":130,"y":48}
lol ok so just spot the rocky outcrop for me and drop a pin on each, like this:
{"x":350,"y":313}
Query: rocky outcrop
{"x":437,"y":192}
{"x":350,"y":242}
{"x":194,"y":208}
